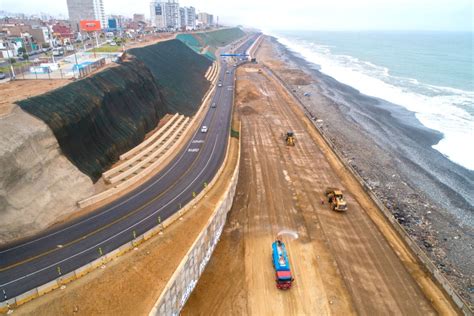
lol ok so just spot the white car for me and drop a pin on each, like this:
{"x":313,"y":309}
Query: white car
{"x":204,"y":129}
{"x":219,"y":85}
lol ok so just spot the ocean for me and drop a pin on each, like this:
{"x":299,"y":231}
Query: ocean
{"x":428,"y":73}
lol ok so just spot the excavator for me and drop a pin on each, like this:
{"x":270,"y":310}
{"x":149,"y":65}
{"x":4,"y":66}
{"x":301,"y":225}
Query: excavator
{"x":290,"y":138}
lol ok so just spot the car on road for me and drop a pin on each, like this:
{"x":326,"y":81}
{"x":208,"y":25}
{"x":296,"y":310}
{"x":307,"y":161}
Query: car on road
{"x":213,"y":105}
{"x":204,"y":129}
{"x":227,"y":72}
{"x":220,"y":84}
{"x":2,"y":75}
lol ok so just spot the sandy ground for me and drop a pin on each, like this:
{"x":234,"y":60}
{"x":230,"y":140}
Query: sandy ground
{"x":430,"y":196}
{"x":131,"y":284}
{"x":342,"y":262}
{"x":13,"y":91}
{"x":22,"y":89}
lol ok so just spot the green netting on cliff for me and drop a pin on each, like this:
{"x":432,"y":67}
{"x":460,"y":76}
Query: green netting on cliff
{"x":179,"y":72}
{"x":98,"y":118}
{"x":206,"y":42}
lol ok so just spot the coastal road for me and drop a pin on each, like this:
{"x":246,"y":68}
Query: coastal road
{"x":341,"y":262}
{"x":57,"y":252}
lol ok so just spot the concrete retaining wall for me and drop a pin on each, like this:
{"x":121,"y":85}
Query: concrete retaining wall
{"x":146,"y":142}
{"x":185,"y":277}
{"x":420,"y":254}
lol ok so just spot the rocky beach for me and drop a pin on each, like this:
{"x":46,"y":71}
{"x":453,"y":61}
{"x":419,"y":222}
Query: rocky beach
{"x":392,"y":151}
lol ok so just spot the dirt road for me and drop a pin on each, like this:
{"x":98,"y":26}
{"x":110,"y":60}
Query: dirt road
{"x":341,"y":262}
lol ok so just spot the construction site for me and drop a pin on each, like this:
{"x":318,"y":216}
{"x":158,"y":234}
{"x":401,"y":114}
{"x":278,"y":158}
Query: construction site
{"x":350,"y":262}
{"x":197,"y":183}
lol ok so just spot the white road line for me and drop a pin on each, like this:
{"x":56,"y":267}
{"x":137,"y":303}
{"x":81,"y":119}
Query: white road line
{"x":119,"y":233}
{"x":108,"y":210}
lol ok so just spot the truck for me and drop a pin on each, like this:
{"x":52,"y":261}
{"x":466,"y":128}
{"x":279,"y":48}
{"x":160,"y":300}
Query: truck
{"x":336,"y":199}
{"x":281,"y":264}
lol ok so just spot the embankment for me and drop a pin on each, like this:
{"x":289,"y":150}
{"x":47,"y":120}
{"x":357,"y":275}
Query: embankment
{"x":37,"y":183}
{"x":47,"y":165}
{"x":99,"y":117}
{"x":179,"y":73}
{"x":206,"y":43}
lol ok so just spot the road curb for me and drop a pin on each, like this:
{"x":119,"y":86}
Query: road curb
{"x":184,"y":279}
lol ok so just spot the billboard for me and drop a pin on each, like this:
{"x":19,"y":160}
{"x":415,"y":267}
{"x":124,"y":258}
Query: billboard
{"x":112,"y":24}
{"x":90,"y":25}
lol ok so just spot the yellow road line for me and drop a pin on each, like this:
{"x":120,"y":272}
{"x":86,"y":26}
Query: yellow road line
{"x":115,"y":221}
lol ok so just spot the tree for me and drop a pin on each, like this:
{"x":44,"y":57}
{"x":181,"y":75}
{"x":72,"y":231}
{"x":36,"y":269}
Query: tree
{"x":25,"y":56}
{"x":21,"y":51}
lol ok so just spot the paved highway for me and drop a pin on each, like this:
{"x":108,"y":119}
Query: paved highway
{"x":45,"y":257}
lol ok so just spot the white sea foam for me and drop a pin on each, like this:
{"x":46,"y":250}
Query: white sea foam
{"x":440,"y":108}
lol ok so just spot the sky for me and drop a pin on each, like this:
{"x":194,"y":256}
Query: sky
{"x":447,"y":15}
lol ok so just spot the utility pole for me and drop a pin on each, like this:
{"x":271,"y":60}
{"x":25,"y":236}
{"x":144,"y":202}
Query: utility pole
{"x":10,"y":60}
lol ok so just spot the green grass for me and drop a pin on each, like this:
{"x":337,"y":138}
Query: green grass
{"x":107,"y":49}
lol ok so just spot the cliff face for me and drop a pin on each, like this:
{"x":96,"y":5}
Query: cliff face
{"x":49,"y":159}
{"x":37,"y":183}
{"x":179,"y":72}
{"x":98,"y":118}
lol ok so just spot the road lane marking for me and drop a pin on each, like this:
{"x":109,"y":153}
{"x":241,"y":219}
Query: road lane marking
{"x":51,"y":250}
{"x":113,"y":207}
{"x":121,"y":232}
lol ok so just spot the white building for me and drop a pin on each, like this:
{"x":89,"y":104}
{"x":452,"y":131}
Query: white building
{"x":165,"y":14}
{"x":190,"y":16}
{"x":206,"y":19}
{"x":86,"y":10}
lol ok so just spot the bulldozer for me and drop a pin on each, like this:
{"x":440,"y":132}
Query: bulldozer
{"x":290,"y":138}
{"x":336,"y":199}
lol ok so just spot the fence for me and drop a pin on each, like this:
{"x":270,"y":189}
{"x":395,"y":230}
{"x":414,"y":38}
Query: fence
{"x":63,"y":70}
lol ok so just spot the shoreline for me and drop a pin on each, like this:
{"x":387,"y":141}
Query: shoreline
{"x":391,"y":150}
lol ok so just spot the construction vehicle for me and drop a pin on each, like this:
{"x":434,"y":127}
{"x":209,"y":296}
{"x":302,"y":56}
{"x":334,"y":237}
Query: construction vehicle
{"x":290,"y":138}
{"x":281,"y":265}
{"x":336,"y":200}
